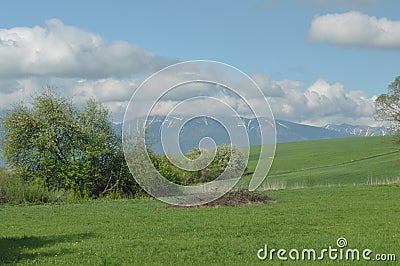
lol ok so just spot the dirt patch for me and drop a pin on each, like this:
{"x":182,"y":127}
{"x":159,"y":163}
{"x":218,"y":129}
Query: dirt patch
{"x":240,"y":197}
{"x":236,"y":197}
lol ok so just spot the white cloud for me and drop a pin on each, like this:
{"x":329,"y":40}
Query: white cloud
{"x":112,"y":92}
{"x":105,"y":90}
{"x":81,"y":64}
{"x":319,"y":104}
{"x":322,"y":103}
{"x":268,"y":87}
{"x":355,"y":29}
{"x":65,"y":51}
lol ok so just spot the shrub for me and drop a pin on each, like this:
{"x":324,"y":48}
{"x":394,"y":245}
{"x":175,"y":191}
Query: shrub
{"x":227,"y":157}
{"x":15,"y":190}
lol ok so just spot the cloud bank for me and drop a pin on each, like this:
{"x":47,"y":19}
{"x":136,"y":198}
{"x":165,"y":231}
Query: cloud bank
{"x":323,"y":103}
{"x":66,"y":51}
{"x":81,"y":64}
{"x":318,"y":104}
{"x":355,"y":29}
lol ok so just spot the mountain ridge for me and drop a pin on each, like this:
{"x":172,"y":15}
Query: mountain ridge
{"x":359,"y":131}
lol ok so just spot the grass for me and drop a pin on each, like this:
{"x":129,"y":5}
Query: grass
{"x":144,"y":232}
{"x":333,"y":161}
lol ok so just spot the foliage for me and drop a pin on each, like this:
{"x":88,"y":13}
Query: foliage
{"x":169,"y":170}
{"x":387,"y":107}
{"x":225,"y":157}
{"x":143,"y":164}
{"x":66,"y":147}
{"x":15,"y":190}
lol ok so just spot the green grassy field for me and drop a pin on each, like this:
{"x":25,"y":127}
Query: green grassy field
{"x":146,"y":232}
{"x":333,"y":162}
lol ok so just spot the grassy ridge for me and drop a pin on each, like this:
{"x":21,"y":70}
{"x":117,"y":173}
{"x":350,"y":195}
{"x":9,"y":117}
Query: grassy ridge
{"x":333,"y":161}
{"x":144,"y":232}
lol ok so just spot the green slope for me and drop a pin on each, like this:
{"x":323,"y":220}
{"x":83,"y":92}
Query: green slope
{"x":333,"y":161}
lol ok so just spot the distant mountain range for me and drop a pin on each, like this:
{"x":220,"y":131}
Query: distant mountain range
{"x":196,"y":129}
{"x":358,"y":131}
{"x":287,"y":131}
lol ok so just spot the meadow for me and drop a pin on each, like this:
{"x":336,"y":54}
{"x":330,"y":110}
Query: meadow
{"x":148,"y":232}
{"x":332,"y":162}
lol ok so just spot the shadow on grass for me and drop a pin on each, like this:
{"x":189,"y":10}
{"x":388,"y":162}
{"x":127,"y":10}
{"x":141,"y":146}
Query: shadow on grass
{"x":16,"y":249}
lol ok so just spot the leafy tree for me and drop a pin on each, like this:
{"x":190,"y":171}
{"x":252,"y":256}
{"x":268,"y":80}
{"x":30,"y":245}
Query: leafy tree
{"x":387,"y":107}
{"x":66,"y":147}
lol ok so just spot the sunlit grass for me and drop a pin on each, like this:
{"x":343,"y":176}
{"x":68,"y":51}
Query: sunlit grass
{"x":145,"y":232}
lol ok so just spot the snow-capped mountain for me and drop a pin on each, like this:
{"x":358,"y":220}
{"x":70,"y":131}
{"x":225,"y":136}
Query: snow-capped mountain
{"x":290,"y":132}
{"x":358,"y":131}
{"x":191,"y":132}
{"x":196,"y":129}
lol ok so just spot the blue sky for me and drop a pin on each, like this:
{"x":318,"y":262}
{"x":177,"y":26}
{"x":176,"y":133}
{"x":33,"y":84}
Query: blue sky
{"x":272,"y":39}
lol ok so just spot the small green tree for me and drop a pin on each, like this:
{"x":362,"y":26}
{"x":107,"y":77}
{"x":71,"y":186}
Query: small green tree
{"x":66,"y":147}
{"x":387,"y":107}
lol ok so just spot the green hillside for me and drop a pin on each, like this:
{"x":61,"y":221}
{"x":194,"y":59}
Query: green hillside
{"x":333,"y":161}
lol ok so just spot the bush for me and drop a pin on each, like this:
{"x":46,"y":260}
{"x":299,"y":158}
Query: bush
{"x":169,"y":170}
{"x":227,"y":157}
{"x":15,"y":190}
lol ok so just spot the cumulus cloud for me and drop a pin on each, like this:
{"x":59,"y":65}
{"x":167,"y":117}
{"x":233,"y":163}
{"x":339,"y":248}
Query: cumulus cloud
{"x":355,"y":29}
{"x":66,"y":51}
{"x":267,"y":86}
{"x":318,"y":104}
{"x":112,"y":92}
{"x":81,"y":64}
{"x":322,"y":103}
